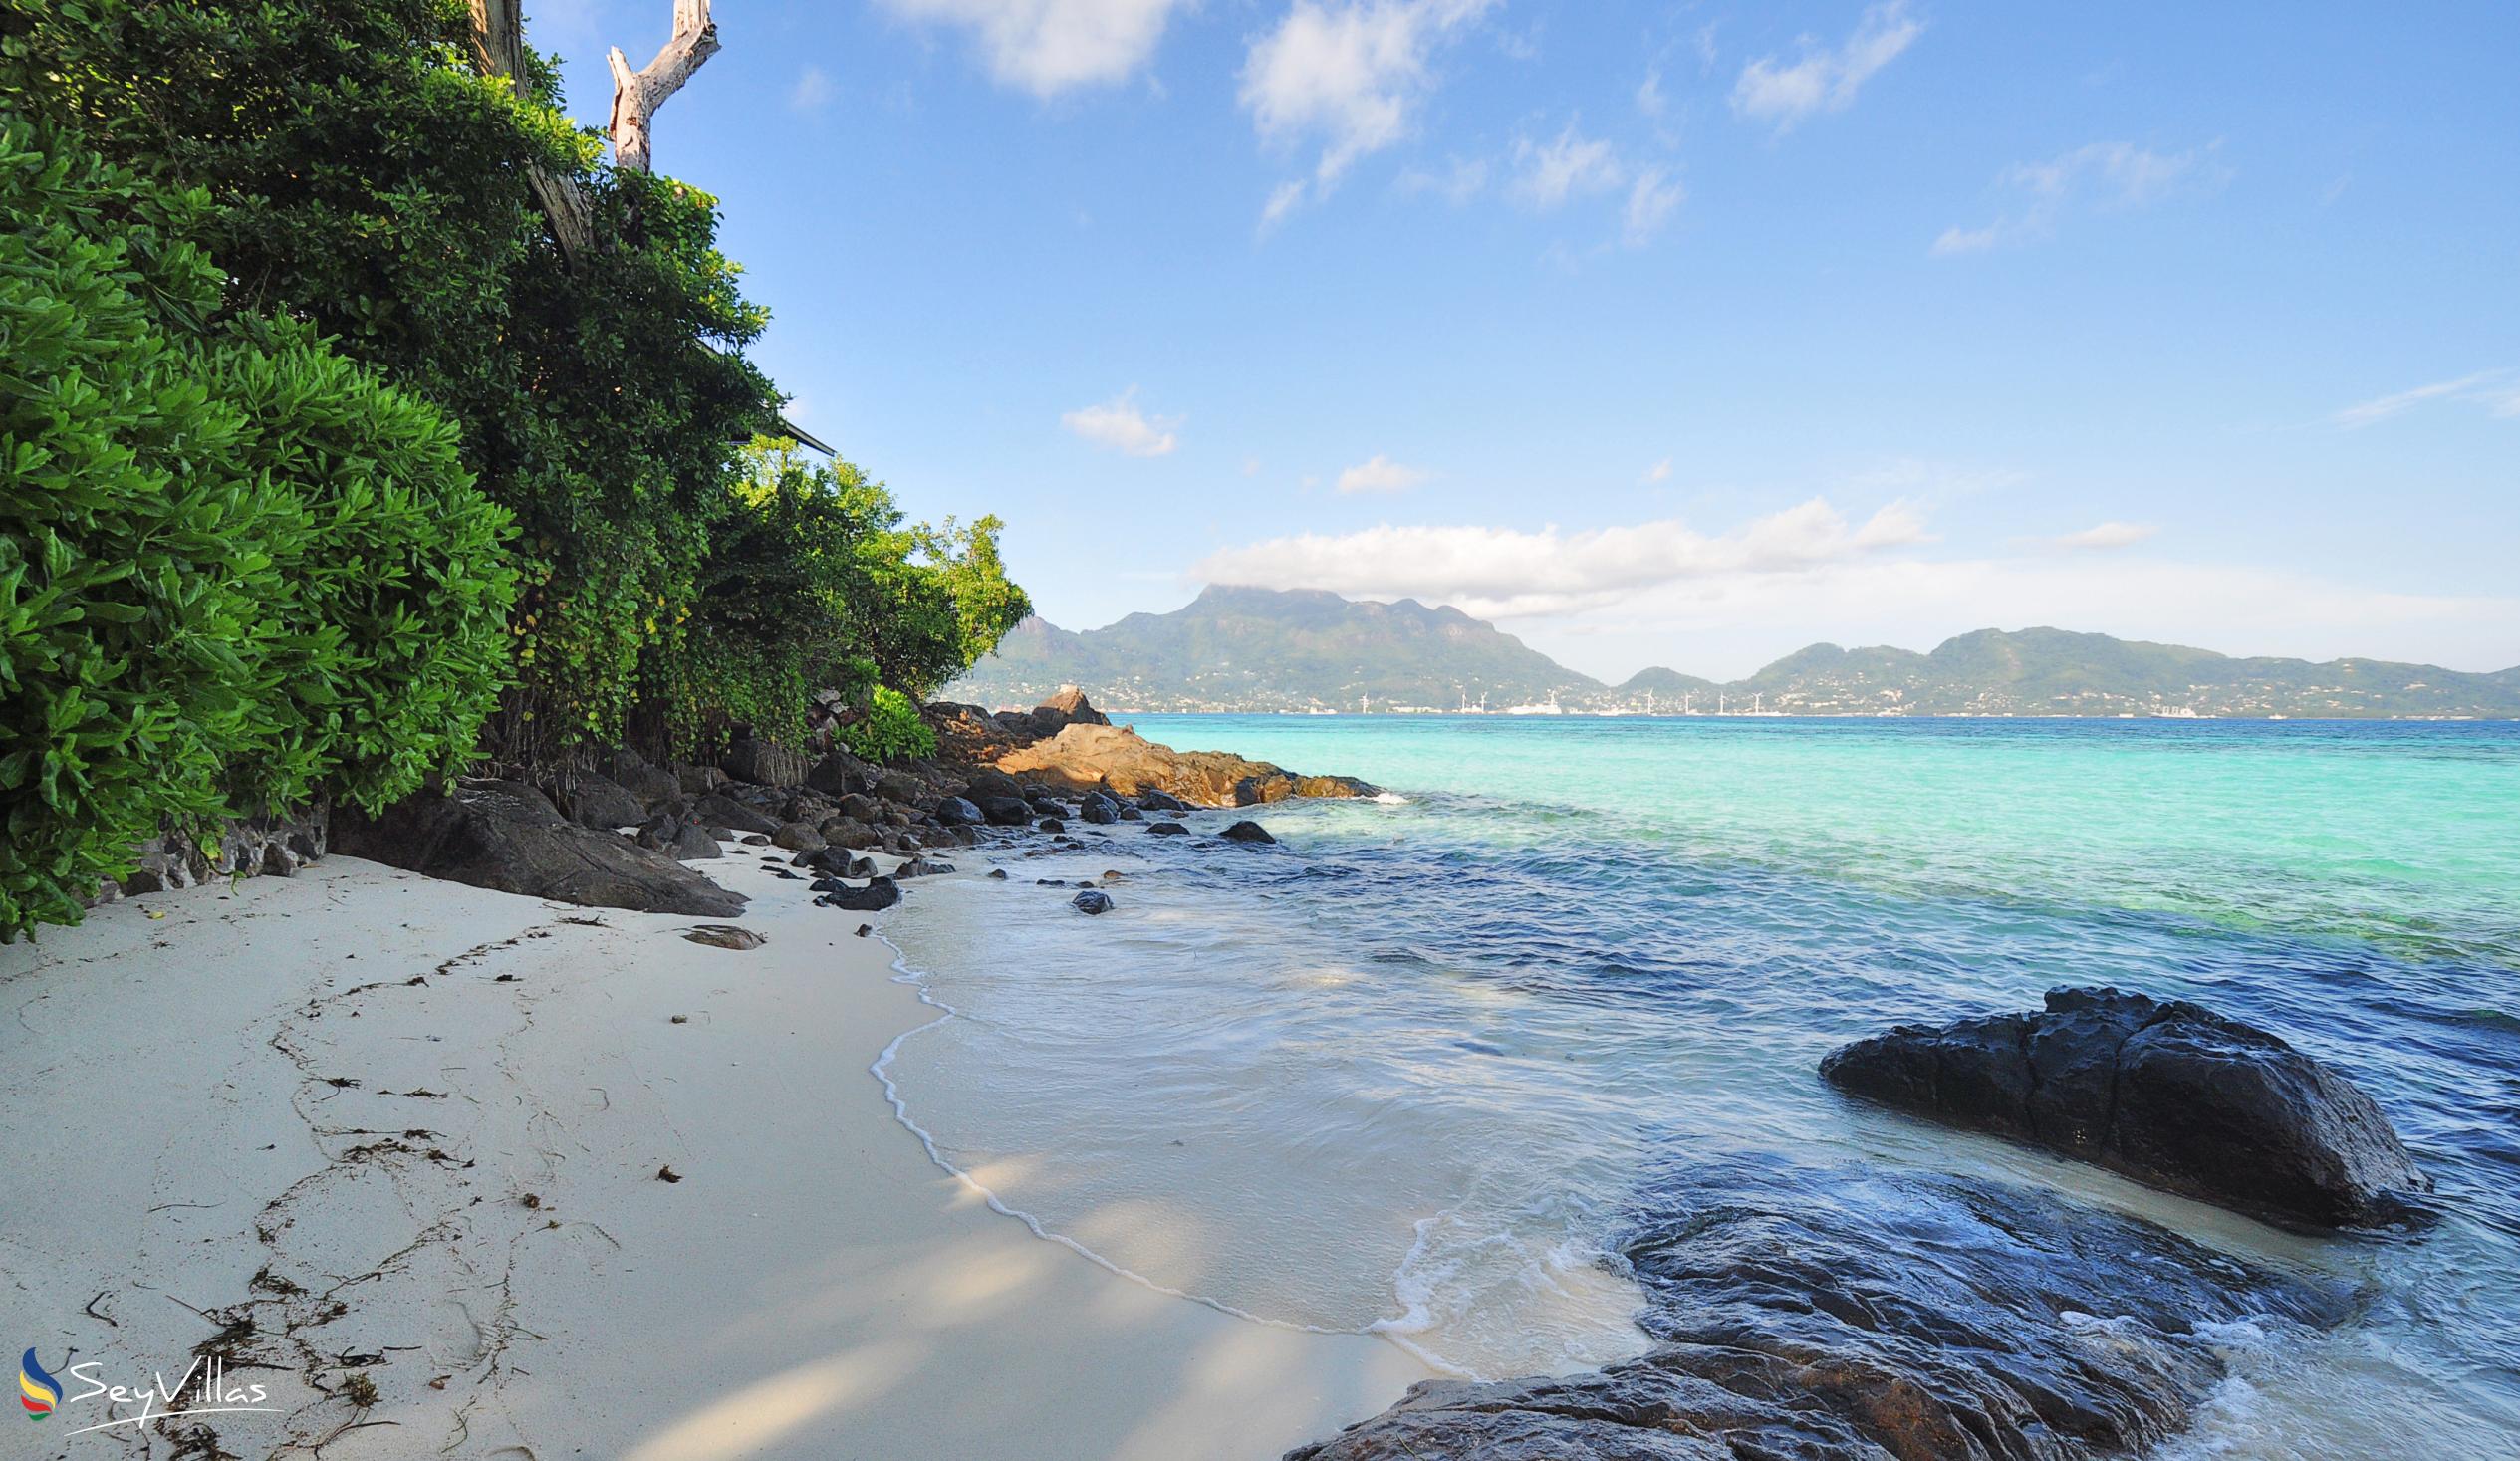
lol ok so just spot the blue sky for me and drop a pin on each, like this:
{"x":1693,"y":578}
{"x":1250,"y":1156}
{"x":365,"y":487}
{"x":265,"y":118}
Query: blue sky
{"x":1660,"y":333}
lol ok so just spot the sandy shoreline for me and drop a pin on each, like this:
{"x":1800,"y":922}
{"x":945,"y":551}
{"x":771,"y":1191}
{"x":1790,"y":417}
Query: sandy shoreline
{"x":411,"y":1132}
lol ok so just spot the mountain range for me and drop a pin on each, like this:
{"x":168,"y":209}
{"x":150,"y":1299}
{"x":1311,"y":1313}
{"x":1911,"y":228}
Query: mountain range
{"x":1266,"y":650}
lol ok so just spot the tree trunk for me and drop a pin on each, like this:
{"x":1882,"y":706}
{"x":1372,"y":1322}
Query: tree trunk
{"x":498,"y":38}
{"x":637,"y":93}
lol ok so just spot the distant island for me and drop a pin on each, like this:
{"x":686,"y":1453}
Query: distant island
{"x":1303,"y":650}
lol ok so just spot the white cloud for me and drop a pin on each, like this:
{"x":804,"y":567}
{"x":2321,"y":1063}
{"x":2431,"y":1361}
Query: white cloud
{"x":1824,"y":80}
{"x":1380,"y":474}
{"x":1345,"y":75}
{"x":2098,"y":536}
{"x":812,"y":90}
{"x":1506,"y":573}
{"x":1659,"y":472}
{"x":1546,"y":175}
{"x":1650,"y":98}
{"x":1463,"y":179}
{"x":1049,"y":46}
{"x":2102,"y":175}
{"x":2498,"y":392}
{"x":1651,"y":204}
{"x":1120,"y":425}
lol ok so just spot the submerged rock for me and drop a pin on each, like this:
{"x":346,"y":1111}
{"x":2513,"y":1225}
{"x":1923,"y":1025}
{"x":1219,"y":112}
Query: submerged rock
{"x":506,"y":836}
{"x":1091,"y":901}
{"x":1246,"y":832}
{"x":1846,"y":1316}
{"x":2164,"y":1091}
{"x":1167,"y":829}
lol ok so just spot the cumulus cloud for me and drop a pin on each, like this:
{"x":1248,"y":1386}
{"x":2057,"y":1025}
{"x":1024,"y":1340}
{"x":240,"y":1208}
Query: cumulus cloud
{"x":1345,"y":77}
{"x":2099,"y":536}
{"x":1118,"y":423}
{"x":2498,"y":392}
{"x":2102,"y":175}
{"x":1507,"y":572}
{"x":1050,"y":46}
{"x":1380,"y":474}
{"x":1546,"y":175}
{"x":1825,"y":79}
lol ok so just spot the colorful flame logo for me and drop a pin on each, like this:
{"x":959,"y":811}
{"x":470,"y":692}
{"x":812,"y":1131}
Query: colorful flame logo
{"x":38,"y":1392}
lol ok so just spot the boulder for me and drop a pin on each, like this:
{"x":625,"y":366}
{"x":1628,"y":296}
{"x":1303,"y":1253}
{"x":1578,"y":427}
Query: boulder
{"x":726,"y":936}
{"x":697,"y":780}
{"x":1098,"y":807}
{"x":506,"y":836}
{"x":1072,"y":708}
{"x":847,"y":831}
{"x":1091,"y":902}
{"x":796,"y":836}
{"x":879,"y":893}
{"x":987,"y":782}
{"x":651,"y":786}
{"x":1246,"y":832}
{"x":677,"y":839}
{"x":861,"y":807}
{"x":997,"y":874}
{"x":895,"y":786}
{"x":922,"y":868}
{"x":1053,"y":823}
{"x":764,"y":763}
{"x":1086,"y":757}
{"x":837,"y":774}
{"x":2163,"y":1092}
{"x":1167,"y":829}
{"x":1004,"y":811}
{"x":959,"y":811}
{"x":1156,"y":799}
{"x":721,"y":810}
{"x":1844,"y":1314}
{"x":597,"y":799}
{"x":1046,"y":806}
{"x":1132,"y":814}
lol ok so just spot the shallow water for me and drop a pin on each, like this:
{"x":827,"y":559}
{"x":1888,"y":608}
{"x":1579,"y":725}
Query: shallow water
{"x":1400,"y":1074}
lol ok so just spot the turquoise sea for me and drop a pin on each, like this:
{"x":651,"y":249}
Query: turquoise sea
{"x":1399,"y":1073}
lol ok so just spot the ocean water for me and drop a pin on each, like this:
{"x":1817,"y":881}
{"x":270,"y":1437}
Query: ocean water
{"x":1400,"y":1073}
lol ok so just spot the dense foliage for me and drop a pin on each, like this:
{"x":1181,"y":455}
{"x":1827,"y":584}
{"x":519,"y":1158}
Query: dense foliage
{"x":280,"y":292}
{"x":235,"y":569}
{"x":892,"y":729}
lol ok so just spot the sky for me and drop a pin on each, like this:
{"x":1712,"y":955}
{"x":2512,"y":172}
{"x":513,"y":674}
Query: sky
{"x":1659,"y":334}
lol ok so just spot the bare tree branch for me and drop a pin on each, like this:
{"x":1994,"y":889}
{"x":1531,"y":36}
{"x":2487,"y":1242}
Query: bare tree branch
{"x":498,"y":39}
{"x":637,"y":93}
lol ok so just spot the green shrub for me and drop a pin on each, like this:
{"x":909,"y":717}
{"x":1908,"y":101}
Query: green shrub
{"x":892,"y":729}
{"x":227,"y":574}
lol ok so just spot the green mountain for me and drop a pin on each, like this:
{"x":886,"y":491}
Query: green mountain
{"x":1236,"y":648}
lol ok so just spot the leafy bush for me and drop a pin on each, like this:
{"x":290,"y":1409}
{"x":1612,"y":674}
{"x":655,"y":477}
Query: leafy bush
{"x":892,"y":729}
{"x":229,"y":575}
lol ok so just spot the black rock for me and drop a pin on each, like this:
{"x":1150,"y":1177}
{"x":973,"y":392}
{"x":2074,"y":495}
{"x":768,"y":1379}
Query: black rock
{"x":1154,"y":799}
{"x":678,"y":840}
{"x":596,"y":799}
{"x":879,"y":893}
{"x":764,"y":763}
{"x":505,"y":836}
{"x":1841,"y":1314}
{"x":1098,"y":807}
{"x":1048,"y":805}
{"x":839,"y":774}
{"x":1246,"y":832}
{"x":998,"y":873}
{"x":1091,"y":901}
{"x":2167,"y":1093}
{"x":1004,"y":811}
{"x":922,"y":868}
{"x":724,"y":811}
{"x":796,"y":836}
{"x":1167,"y":829}
{"x":1132,"y":814}
{"x":1053,"y":823}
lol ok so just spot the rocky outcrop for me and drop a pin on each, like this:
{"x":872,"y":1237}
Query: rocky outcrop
{"x":593,"y":799}
{"x":764,"y":763}
{"x":275,"y":845}
{"x":1083,"y":758}
{"x":506,"y":836}
{"x":1843,"y":1315}
{"x":2164,"y":1091}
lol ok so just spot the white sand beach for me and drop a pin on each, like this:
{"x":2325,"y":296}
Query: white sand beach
{"x":411,"y":1131}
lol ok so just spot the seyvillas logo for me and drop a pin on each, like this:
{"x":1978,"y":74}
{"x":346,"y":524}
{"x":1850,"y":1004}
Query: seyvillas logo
{"x":204,"y":1382}
{"x":38,"y":1392}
